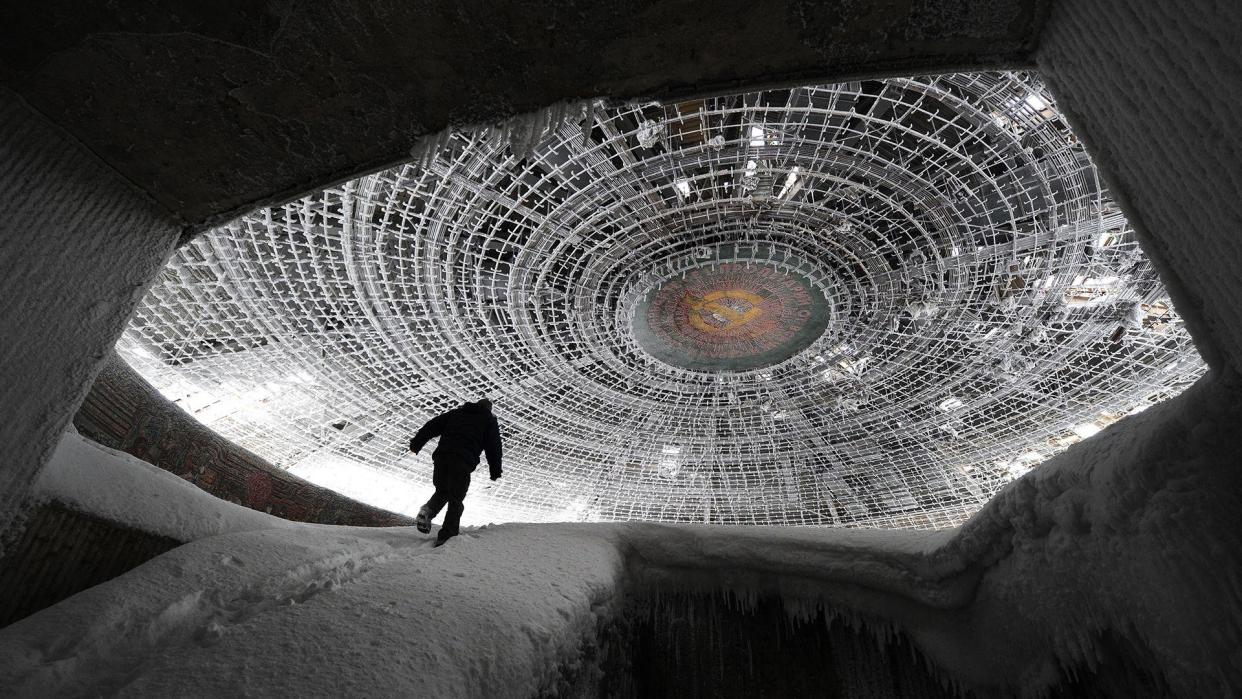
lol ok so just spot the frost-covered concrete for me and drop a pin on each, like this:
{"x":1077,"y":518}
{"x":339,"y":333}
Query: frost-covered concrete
{"x":325,"y":611}
{"x":1133,"y":532}
{"x":114,"y":486}
{"x":78,"y":249}
{"x":1153,"y":89}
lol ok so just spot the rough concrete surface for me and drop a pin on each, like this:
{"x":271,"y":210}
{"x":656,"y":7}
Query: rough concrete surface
{"x":1152,"y":90}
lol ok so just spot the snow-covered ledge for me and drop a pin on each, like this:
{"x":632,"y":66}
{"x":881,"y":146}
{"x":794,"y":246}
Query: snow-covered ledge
{"x":1106,"y":540}
{"x":90,"y":478}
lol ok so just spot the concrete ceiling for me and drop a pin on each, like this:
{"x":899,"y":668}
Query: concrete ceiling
{"x":214,"y":108}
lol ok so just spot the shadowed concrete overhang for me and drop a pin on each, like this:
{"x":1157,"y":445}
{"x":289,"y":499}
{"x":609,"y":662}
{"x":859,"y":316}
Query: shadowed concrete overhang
{"x":214,"y":108}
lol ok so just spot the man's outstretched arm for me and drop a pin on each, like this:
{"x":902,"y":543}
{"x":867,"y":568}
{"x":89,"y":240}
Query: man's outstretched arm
{"x":433,"y":428}
{"x":492,"y":448}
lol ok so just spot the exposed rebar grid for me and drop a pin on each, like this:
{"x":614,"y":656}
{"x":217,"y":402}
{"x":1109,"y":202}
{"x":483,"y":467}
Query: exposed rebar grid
{"x":937,"y":287}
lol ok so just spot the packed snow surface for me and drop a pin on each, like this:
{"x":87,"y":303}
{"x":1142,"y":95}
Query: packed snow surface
{"x":336,"y":611}
{"x":1102,"y":548}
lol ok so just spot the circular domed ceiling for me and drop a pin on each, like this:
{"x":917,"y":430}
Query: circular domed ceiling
{"x":871,"y":303}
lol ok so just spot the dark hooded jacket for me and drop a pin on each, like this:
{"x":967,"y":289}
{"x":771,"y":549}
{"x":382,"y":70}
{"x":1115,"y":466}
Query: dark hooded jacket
{"x":464,"y":432}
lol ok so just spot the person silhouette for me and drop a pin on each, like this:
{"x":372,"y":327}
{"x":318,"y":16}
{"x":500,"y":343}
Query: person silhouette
{"x":464,"y":432}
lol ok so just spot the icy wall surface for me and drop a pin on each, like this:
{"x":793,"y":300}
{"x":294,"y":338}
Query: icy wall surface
{"x":715,"y":646}
{"x":1099,"y":553}
{"x":126,"y":413}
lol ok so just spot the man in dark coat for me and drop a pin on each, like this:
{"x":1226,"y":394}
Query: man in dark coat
{"x":464,"y":433}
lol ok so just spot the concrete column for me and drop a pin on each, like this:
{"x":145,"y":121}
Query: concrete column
{"x":1153,"y":89}
{"x":78,"y":248}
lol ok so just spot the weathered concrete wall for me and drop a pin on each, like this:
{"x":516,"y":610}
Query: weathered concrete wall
{"x":78,"y":248}
{"x":1153,"y":89}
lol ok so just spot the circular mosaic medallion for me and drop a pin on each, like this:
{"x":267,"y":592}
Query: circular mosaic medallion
{"x":730,"y":317}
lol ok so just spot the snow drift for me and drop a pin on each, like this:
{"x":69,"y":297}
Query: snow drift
{"x":125,"y":490}
{"x":1096,"y":553}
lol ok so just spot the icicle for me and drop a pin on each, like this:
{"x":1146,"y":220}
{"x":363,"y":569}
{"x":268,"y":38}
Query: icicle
{"x":588,"y":124}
